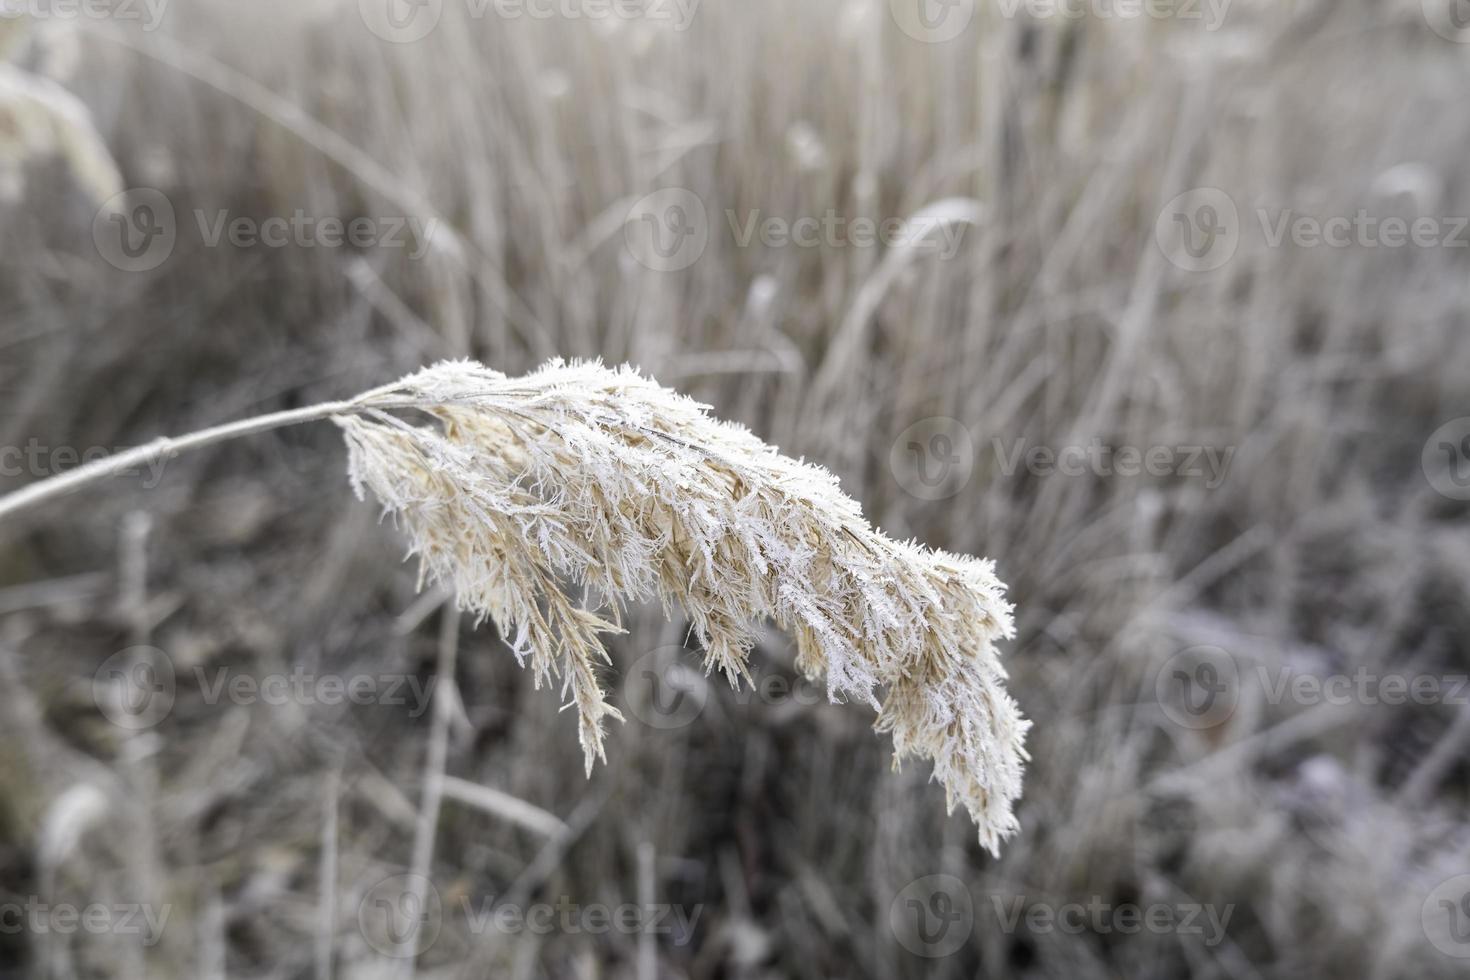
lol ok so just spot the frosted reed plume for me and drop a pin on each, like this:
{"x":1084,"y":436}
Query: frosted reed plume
{"x":578,"y":474}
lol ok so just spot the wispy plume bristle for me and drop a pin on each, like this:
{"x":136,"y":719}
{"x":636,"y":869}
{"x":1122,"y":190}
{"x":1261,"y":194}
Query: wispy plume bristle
{"x":601,"y":479}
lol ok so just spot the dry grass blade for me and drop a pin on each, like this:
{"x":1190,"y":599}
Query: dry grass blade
{"x":505,"y":806}
{"x":39,"y":118}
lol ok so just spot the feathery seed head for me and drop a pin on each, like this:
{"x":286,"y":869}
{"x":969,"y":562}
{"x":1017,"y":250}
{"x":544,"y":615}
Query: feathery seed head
{"x":582,"y":474}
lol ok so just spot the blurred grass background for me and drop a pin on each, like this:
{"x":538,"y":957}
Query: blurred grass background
{"x":1059,"y":321}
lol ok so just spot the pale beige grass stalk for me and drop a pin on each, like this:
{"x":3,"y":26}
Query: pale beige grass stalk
{"x":579,"y":475}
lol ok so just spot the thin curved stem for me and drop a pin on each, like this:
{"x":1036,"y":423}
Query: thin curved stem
{"x":101,"y":469}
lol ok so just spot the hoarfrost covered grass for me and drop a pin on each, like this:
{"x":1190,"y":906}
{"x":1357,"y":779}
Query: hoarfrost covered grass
{"x":635,"y":492}
{"x":1059,"y":319}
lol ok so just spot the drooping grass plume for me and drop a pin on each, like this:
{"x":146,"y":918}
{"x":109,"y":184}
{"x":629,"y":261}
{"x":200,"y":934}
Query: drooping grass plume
{"x":603,"y":479}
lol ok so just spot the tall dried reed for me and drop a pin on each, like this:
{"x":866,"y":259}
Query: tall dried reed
{"x":581,"y":476}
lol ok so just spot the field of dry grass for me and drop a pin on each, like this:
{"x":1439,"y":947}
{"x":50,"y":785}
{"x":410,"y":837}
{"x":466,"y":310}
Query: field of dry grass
{"x":1165,"y":313}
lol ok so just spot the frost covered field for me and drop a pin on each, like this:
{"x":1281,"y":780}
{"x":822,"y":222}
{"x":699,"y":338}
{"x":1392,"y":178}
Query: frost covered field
{"x":1162,"y":306}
